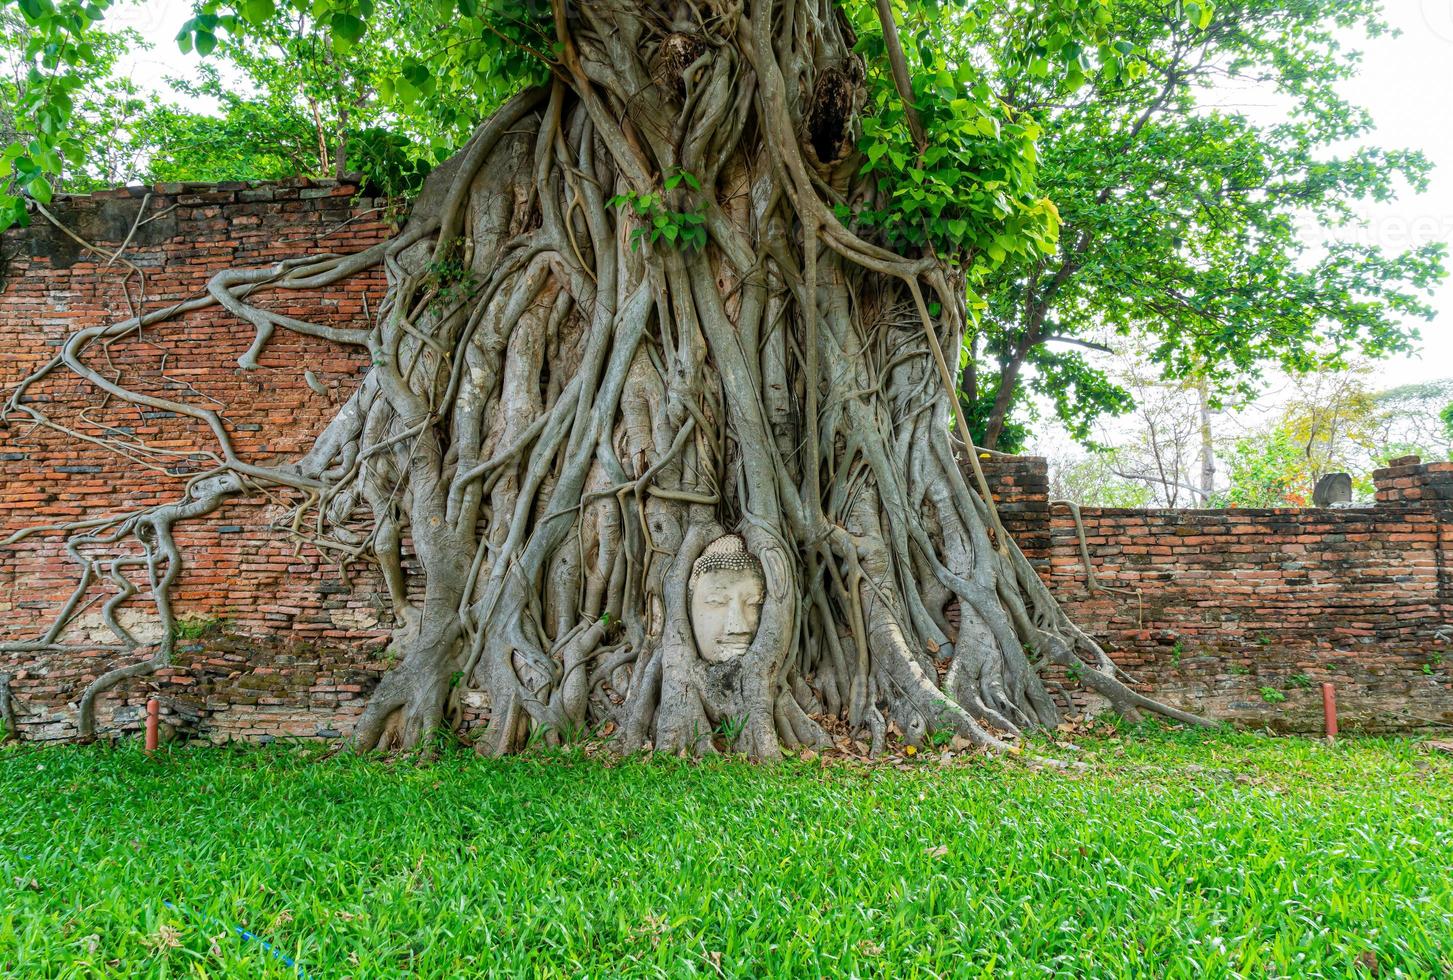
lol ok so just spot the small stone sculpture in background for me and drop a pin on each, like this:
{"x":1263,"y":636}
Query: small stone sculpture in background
{"x":1333,"y":490}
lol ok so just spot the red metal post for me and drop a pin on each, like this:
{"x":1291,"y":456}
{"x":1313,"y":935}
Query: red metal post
{"x":1329,"y":710}
{"x":153,"y":718}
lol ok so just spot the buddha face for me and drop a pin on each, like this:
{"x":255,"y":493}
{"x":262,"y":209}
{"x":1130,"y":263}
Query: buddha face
{"x":727,"y":592}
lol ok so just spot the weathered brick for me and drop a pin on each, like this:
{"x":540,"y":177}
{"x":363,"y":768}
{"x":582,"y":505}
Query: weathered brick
{"x":1289,"y":598}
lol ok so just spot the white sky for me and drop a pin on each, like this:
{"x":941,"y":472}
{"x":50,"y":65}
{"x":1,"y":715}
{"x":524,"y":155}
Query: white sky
{"x":1406,"y":83}
{"x":158,"y":21}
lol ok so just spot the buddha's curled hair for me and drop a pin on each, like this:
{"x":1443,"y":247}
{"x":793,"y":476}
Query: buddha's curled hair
{"x":728,"y":552}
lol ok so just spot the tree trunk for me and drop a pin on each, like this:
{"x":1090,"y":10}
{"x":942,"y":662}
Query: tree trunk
{"x":1208,"y":449}
{"x":568,"y":404}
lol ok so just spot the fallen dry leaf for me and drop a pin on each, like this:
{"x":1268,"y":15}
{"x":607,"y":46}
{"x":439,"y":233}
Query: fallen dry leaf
{"x":165,"y":937}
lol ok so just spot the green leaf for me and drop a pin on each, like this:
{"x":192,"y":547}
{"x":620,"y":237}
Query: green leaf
{"x":206,"y":42}
{"x":347,"y":30}
{"x":34,"y":10}
{"x":40,"y":189}
{"x":258,"y":11}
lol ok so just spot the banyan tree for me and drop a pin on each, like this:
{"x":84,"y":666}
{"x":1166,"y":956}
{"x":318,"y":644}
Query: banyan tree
{"x":658,"y":438}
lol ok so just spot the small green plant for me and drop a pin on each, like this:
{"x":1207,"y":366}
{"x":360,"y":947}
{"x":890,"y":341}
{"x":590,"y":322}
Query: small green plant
{"x":1272,"y":696}
{"x":940,"y":737}
{"x":683,"y":229}
{"x":1241,"y":670}
{"x":1117,"y":721}
{"x":730,"y":730}
{"x":1264,"y":639}
{"x":572,"y":733}
{"x":1298,"y":681}
{"x":1433,"y":663}
{"x":1175,"y":653}
{"x":451,"y":280}
{"x":536,"y":737}
{"x":1073,"y":673}
{"x":194,"y":627}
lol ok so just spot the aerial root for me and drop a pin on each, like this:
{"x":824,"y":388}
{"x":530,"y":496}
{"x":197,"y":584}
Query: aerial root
{"x":563,"y":411}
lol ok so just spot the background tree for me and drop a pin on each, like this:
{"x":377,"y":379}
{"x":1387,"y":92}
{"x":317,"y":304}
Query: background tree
{"x":1163,"y":451}
{"x":1267,"y":469}
{"x":1413,"y":420}
{"x":365,"y":96}
{"x":1334,"y":421}
{"x":295,"y":97}
{"x":60,"y":98}
{"x":1095,"y":481}
{"x":1186,"y":222}
{"x":1165,"y":445}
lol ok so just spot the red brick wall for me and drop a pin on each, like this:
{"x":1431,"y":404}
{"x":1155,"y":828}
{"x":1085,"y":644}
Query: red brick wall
{"x":1208,"y":608}
{"x":1229,"y":602}
{"x":322,"y":642}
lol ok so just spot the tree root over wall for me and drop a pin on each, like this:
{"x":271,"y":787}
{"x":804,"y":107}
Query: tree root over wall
{"x":560,"y":416}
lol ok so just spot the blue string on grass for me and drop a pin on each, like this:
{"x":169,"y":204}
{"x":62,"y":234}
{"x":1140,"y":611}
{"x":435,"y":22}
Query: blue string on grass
{"x":276,"y":953}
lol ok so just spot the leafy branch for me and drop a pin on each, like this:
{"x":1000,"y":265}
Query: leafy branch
{"x":680,"y":229}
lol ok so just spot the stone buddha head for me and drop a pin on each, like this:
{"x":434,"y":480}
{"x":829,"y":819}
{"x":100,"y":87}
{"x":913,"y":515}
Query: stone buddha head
{"x":727,"y":589}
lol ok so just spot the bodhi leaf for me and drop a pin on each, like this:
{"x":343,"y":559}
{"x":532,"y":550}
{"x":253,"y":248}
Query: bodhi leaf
{"x":347,"y":30}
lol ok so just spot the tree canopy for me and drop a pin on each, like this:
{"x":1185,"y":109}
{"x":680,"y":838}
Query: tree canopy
{"x":959,"y":163}
{"x":1216,"y":232}
{"x":1079,"y":159}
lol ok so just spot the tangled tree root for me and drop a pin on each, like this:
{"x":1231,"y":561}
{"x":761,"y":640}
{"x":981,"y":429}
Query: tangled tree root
{"x":558,"y":421}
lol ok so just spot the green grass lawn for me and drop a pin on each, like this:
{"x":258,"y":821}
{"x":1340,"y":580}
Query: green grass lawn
{"x":1173,"y":855}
